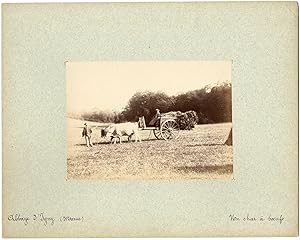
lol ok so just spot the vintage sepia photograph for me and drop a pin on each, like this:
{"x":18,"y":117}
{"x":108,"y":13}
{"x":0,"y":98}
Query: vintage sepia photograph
{"x":149,"y":120}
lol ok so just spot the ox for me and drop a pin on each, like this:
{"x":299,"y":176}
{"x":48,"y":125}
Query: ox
{"x":116,"y":131}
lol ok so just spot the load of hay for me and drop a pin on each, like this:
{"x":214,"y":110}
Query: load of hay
{"x":186,"y":120}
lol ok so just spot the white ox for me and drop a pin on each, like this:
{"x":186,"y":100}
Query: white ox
{"x":118,"y":130}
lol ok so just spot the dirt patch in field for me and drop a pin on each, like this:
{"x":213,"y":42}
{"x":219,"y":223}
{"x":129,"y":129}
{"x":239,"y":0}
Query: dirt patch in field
{"x":221,"y":169}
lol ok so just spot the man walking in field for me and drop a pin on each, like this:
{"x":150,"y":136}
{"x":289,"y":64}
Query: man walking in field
{"x":87,"y":134}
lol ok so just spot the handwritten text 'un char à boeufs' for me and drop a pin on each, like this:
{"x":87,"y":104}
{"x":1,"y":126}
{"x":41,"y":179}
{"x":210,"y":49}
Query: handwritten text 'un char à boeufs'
{"x":261,"y":218}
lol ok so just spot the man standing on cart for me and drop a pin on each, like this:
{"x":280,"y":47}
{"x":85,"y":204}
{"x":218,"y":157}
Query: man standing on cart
{"x":155,"y":120}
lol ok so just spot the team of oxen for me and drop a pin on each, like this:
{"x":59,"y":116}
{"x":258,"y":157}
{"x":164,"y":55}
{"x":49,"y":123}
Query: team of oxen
{"x":117,"y":131}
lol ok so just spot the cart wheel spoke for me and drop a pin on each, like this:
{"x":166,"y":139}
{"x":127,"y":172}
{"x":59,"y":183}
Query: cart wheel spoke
{"x":157,"y":133}
{"x":169,"y":129}
{"x":172,"y":133}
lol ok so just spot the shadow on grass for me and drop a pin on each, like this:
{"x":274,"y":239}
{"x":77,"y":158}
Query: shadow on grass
{"x":151,"y":139}
{"x":206,"y":144}
{"x":123,"y":142}
{"x":95,"y":144}
{"x":222,"y":169}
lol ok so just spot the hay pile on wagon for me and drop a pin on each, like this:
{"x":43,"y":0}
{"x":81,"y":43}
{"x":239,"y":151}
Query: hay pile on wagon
{"x":186,"y":120}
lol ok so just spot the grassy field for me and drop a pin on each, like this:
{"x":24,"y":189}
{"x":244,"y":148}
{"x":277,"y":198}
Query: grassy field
{"x":198,"y":153}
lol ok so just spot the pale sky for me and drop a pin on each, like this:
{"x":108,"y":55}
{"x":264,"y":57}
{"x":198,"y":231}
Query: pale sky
{"x":109,"y":85}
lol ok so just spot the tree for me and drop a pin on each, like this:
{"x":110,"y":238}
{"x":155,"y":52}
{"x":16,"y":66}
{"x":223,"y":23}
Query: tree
{"x":145,"y":103}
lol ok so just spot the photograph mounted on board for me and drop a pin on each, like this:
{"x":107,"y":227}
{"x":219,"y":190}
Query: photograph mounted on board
{"x":149,"y":120}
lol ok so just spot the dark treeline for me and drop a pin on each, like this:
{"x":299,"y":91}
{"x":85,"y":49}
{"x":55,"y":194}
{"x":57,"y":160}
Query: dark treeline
{"x":212,"y":105}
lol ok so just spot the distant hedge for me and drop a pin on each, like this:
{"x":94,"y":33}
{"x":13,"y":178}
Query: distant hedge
{"x":206,"y":105}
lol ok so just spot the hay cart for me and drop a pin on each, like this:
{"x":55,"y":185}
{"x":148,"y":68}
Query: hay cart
{"x":166,"y":127}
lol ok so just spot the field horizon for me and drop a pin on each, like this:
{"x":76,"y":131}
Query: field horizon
{"x":197,"y":154}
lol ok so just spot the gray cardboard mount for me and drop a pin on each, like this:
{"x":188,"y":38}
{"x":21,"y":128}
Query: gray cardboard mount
{"x":261,"y":38}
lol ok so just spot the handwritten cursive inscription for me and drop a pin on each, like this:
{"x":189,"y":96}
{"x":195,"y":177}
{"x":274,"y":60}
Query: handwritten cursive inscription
{"x":42,"y":218}
{"x":71,"y":219}
{"x":18,"y":218}
{"x":261,"y":218}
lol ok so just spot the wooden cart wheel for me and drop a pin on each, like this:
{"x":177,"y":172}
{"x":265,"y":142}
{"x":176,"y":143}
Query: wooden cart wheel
{"x":157,"y":133}
{"x":169,"y":129}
